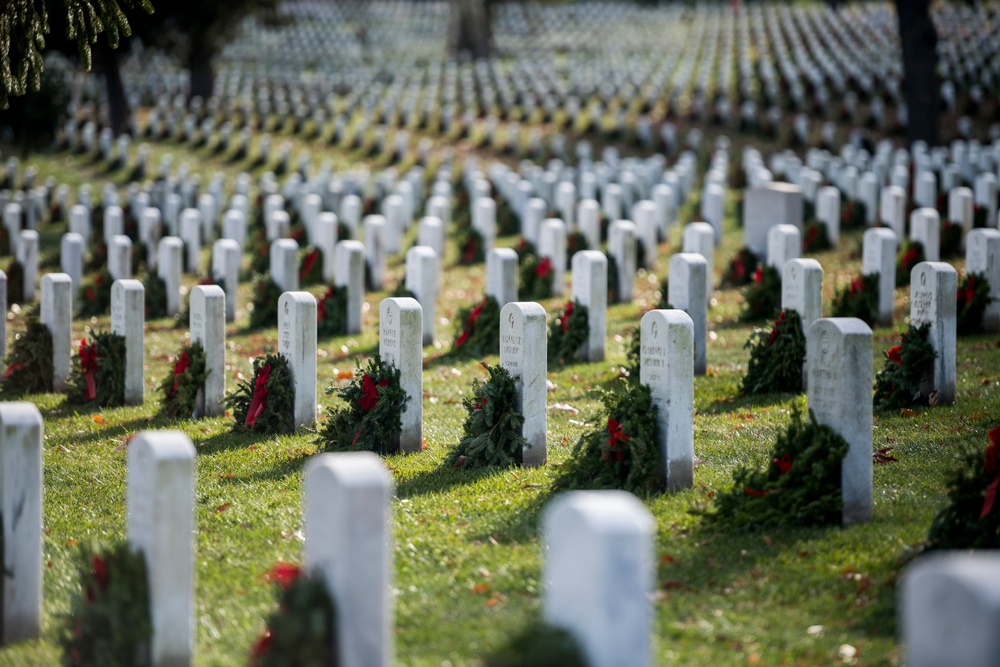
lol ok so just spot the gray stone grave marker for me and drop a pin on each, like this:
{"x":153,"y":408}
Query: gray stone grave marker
{"x":590,"y":288}
{"x":879,"y":256}
{"x":773,"y":204}
{"x":523,"y":344}
{"x":933,"y":287}
{"x":27,"y":255}
{"x":297,"y":344}
{"x":552,"y":244}
{"x":982,"y":255}
{"x":375,"y":249}
{"x":71,"y":256}
{"x":226,"y":260}
{"x":699,"y":237}
{"x":688,"y":272}
{"x":622,"y":247}
{"x":784,"y":242}
{"x":925,"y":227}
{"x":57,"y":316}
{"x":168,"y":268}
{"x":423,"y":273}
{"x":128,"y":319}
{"x":501,"y":275}
{"x":120,"y":257}
{"x":207,"y":321}
{"x":351,"y":276}
{"x":285,"y":264}
{"x":400,"y":333}
{"x":430,"y":233}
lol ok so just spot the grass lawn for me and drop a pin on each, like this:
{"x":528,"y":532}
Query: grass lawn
{"x":467,"y":552}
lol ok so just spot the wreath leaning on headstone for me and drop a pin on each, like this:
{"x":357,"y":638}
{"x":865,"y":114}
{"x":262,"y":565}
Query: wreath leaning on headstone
{"x":815,"y":237}
{"x":950,"y":238}
{"x":853,"y":215}
{"x":621,"y":452}
{"x":331,"y":312}
{"x":575,"y":242}
{"x":971,"y":520}
{"x":266,"y":294}
{"x":29,"y":362}
{"x":911,"y":254}
{"x":762,"y":297}
{"x":156,"y":296}
{"x":478,"y":332}
{"x":95,"y":295}
{"x":539,"y":644}
{"x":800,"y":486}
{"x":97,"y":375}
{"x":906,"y":368}
{"x":972,"y":298}
{"x":535,"y":277}
{"x":265,"y":402}
{"x":109,"y":621}
{"x":776,"y":357}
{"x":491,"y":434}
{"x":311,"y":267}
{"x":300,"y":630}
{"x":567,"y":333}
{"x":471,"y":248}
{"x":179,"y":389}
{"x":740,"y":270}
{"x":371,"y":418}
{"x":15,"y":282}
{"x":858,"y":299}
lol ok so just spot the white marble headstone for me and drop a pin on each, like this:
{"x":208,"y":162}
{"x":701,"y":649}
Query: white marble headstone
{"x":523,"y":353}
{"x":400,"y":343}
{"x":297,"y":344}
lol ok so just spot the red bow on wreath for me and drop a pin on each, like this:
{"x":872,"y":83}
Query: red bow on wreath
{"x":543,"y":268}
{"x":739,"y":269}
{"x":758,"y":275}
{"x":617,"y":438}
{"x":369,"y":392}
{"x":992,"y":466}
{"x":896,"y":354}
{"x":100,"y":570}
{"x":13,"y":368}
{"x":321,"y":306}
{"x":259,"y":400}
{"x":564,"y":320}
{"x":784,"y":464}
{"x":179,"y":368}
{"x":308,"y":262}
{"x":88,"y":364}
{"x":857,"y":285}
{"x":469,"y":253}
{"x":470,"y":324}
{"x":482,"y":403}
{"x":965,"y":296}
{"x":774,"y":331}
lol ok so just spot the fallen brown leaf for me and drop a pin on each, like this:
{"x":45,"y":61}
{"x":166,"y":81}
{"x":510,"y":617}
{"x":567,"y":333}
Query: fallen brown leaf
{"x":222,"y":508}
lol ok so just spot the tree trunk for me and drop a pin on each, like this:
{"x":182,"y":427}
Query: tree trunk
{"x":117,"y":102}
{"x":469,"y":29}
{"x":199,"y":64}
{"x":920,"y":87}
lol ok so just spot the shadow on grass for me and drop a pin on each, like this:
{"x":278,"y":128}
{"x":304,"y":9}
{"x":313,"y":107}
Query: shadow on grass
{"x":520,"y":526}
{"x":441,"y":479}
{"x":234,"y":439}
{"x":737,"y":403}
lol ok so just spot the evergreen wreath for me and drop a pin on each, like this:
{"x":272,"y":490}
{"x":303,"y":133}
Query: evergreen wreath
{"x":155,"y":296}
{"x":15,"y":283}
{"x":633,"y":354}
{"x":911,"y":254}
{"x":402,"y":293}
{"x":98,"y":374}
{"x":858,"y":299}
{"x":853,"y":215}
{"x":524,"y":248}
{"x":508,"y":223}
{"x":478,"y":332}
{"x":815,"y":237}
{"x":762,"y":297}
{"x":612,"y":279}
{"x":491,"y":434}
{"x":371,"y":418}
{"x":979,"y":214}
{"x":539,"y":645}
{"x":905,"y":367}
{"x":331,"y":312}
{"x":950,"y":236}
{"x":621,"y":452}
{"x":300,"y":630}
{"x":663,"y":303}
{"x":575,"y":242}
{"x":776,"y":357}
{"x":801,"y":485}
{"x":568,"y":333}
{"x":265,"y":303}
{"x":95,"y":295}
{"x":740,"y":270}
{"x":98,"y":258}
{"x":265,"y":402}
{"x":970,"y":520}
{"x":260,"y":250}
{"x":971,"y":300}
{"x":471,"y":249}
{"x":311,"y":267}
{"x":29,"y":362}
{"x":535,"y":278}
{"x":109,"y":622}
{"x":179,"y":389}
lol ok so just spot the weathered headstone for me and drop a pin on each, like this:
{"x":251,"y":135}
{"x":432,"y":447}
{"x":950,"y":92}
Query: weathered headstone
{"x":982,"y":255}
{"x":773,"y":204}
{"x":925,"y":227}
{"x":523,"y":353}
{"x":590,"y":288}
{"x":168,"y":268}
{"x":400,"y":334}
{"x":621,"y":247}
{"x":552,"y":244}
{"x":207,"y":321}
{"x":878,"y":255}
{"x":27,"y":255}
{"x":840,"y":396}
{"x":423,"y":273}
{"x":892,"y":210}
{"x":57,"y":316}
{"x":784,"y":242}
{"x":21,"y":438}
{"x":688,"y":273}
{"x":699,"y":237}
{"x":161,"y":526}
{"x":285,"y":264}
{"x":71,"y":256}
{"x":226,"y":259}
{"x":297,"y":344}
{"x":599,"y":575}
{"x":933,"y":287}
{"x":351,"y":276}
{"x":802,"y":290}
{"x":348,"y":501}
{"x":128,"y":318}
{"x":501,"y":275}
{"x":666,"y":356}
{"x":375,"y":249}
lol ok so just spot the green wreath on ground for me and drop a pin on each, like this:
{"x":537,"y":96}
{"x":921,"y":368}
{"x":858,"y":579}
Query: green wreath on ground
{"x":331,"y":312}
{"x":471,"y":248}
{"x":853,"y":215}
{"x":971,"y":519}
{"x":800,"y":486}
{"x":109,"y":621}
{"x":740,"y":270}
{"x":568,"y":333}
{"x":300,"y":630}
{"x":491,"y":434}
{"x":29,"y":362}
{"x":15,"y":282}
{"x":97,"y":375}
{"x":266,"y":293}
{"x":95,"y":295}
{"x":762,"y":297}
{"x":371,"y":417}
{"x":311,"y":267}
{"x":858,"y":299}
{"x":265,"y":402}
{"x":950,"y":239}
{"x":815,"y":237}
{"x":478,"y":332}
{"x":621,"y":452}
{"x":179,"y":389}
{"x":911,"y":254}
{"x":633,"y":354}
{"x":972,"y":299}
{"x":536,"y":275}
{"x":776,"y":357}
{"x":575,"y":242}
{"x":155,"y":296}
{"x":539,"y":645}
{"x":905,"y":367}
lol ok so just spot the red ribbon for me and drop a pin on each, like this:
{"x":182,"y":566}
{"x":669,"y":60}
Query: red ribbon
{"x":895,"y":354}
{"x":543,"y":268}
{"x":470,"y":324}
{"x":618,"y":437}
{"x":784,"y":463}
{"x":564,"y":320}
{"x":482,"y":403}
{"x":284,"y":574}
{"x":88,"y":364}
{"x":308,"y":262}
{"x":13,"y":368}
{"x":857,"y":285}
{"x":758,"y":275}
{"x":774,"y":331}
{"x":259,"y":400}
{"x":992,"y":467}
{"x":470,"y":251}
{"x":739,"y":269}
{"x":369,"y":392}
{"x":179,"y":368}
{"x":965,"y":296}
